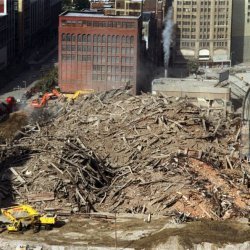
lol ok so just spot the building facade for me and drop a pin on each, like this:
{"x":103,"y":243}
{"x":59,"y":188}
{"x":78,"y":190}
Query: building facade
{"x":98,"y":52}
{"x":7,"y":35}
{"x":202,"y":31}
{"x":241,"y":31}
{"x":149,"y":33}
{"x":33,"y":18}
{"x":159,"y":8}
{"x":128,"y":7}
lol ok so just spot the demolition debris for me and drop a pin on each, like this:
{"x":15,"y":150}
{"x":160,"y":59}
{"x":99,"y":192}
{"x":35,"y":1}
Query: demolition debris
{"x":114,"y":152}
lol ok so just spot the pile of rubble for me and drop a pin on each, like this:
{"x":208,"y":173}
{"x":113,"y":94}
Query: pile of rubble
{"x":116,"y":152}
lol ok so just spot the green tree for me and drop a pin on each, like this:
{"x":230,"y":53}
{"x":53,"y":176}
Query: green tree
{"x":193,"y":66}
{"x":48,"y":82}
{"x":81,"y":4}
{"x":67,"y":5}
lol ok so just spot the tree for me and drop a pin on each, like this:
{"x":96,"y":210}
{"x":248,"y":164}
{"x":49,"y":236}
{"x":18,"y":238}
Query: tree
{"x":47,"y":83}
{"x":193,"y":66}
{"x":75,"y":4}
{"x":81,"y":4}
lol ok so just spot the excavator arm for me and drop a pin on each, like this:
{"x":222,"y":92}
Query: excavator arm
{"x":39,"y":104}
{"x":16,"y":224}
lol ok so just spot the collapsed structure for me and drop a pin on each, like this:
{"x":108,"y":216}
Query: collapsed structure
{"x":114,"y":152}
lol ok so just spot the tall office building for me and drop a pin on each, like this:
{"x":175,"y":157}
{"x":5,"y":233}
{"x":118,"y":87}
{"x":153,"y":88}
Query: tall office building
{"x":7,"y":35}
{"x":202,"y":31}
{"x":241,"y":31}
{"x":98,"y":52}
{"x":34,"y":17}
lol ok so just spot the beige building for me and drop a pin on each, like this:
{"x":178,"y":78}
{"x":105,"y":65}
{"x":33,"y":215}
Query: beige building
{"x":119,"y":7}
{"x":241,"y":31}
{"x":128,"y":7}
{"x":202,"y":31}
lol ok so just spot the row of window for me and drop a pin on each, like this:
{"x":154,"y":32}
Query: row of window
{"x":220,"y":19}
{"x":114,"y":78}
{"x":202,"y":36}
{"x":111,"y":24}
{"x":201,"y":44}
{"x":202,"y":2}
{"x":87,"y":38}
{"x":98,"y":59}
{"x":113,"y":69}
{"x":99,"y":49}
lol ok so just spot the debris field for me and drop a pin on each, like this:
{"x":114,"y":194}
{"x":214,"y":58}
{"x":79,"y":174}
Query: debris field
{"x":115,"y":152}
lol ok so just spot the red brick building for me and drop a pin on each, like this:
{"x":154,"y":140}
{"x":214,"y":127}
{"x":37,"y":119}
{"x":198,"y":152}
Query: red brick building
{"x":98,"y":52}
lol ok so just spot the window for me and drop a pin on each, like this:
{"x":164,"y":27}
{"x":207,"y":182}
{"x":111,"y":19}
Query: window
{"x":79,"y":38}
{"x":89,"y":38}
{"x":86,"y":58}
{"x":64,"y":37}
{"x":123,"y":39}
{"x":86,"y":48}
{"x":109,"y":39}
{"x":103,"y":39}
{"x":84,"y":38}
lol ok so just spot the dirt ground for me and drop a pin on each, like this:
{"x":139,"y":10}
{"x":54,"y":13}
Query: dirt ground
{"x":131,"y":232}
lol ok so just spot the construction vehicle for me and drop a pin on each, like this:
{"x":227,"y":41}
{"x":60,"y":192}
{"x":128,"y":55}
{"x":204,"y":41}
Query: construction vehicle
{"x":7,"y":107}
{"x":23,"y":217}
{"x":39,"y":103}
{"x":78,"y":93}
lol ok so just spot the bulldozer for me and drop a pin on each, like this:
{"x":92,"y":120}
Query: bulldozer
{"x":23,"y":217}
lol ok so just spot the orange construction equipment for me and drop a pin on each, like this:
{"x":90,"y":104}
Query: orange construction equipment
{"x":39,"y":103}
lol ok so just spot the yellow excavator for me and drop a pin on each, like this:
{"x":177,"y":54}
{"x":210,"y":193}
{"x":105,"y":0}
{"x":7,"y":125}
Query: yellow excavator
{"x":23,"y":217}
{"x":78,"y":93}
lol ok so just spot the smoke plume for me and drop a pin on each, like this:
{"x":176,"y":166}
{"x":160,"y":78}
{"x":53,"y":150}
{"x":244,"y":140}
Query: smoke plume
{"x":166,"y":35}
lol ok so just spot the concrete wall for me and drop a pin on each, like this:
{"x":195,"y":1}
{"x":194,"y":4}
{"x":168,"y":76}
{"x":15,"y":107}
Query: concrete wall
{"x":190,"y":89}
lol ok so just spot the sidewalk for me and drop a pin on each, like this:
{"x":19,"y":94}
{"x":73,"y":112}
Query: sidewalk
{"x":18,"y":91}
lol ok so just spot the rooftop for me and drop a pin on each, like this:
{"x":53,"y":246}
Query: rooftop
{"x":86,"y":13}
